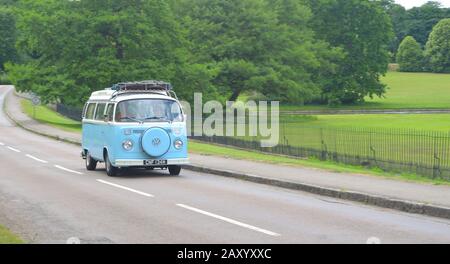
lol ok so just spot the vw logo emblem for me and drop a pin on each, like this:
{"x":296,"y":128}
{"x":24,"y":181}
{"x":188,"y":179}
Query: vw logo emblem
{"x":156,"y":141}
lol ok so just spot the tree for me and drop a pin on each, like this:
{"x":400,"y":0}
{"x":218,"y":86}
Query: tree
{"x":7,"y":36}
{"x":438,"y":47}
{"x":76,"y":47}
{"x":416,"y":22}
{"x":255,"y":45}
{"x":363,"y":30}
{"x":421,"y":20}
{"x":410,"y":55}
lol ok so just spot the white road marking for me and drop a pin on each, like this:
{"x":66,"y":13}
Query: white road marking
{"x":36,"y":159}
{"x":126,"y":188}
{"x":231,"y":221}
{"x":2,"y":144}
{"x":68,"y":170}
{"x":13,"y":149}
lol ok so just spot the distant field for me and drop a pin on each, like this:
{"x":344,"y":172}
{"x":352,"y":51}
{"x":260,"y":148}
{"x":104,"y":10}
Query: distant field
{"x":429,"y":122}
{"x":407,"y":91}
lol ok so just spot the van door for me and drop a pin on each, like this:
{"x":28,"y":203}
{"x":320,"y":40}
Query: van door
{"x":98,"y":131}
{"x":108,"y":130}
{"x":88,"y":128}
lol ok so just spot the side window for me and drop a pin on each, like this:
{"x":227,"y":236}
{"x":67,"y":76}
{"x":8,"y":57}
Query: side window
{"x":90,"y":111}
{"x":83,"y":114}
{"x":100,"y":111}
{"x":110,"y":112}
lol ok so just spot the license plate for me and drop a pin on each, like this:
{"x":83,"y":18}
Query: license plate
{"x":155,"y":162}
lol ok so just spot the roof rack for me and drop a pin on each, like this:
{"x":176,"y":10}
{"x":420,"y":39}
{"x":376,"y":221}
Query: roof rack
{"x":148,"y":86}
{"x":142,"y":86}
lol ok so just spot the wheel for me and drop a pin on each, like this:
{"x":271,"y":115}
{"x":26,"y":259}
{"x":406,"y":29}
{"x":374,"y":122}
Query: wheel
{"x":110,"y":169}
{"x":174,"y":170}
{"x":91,"y":163}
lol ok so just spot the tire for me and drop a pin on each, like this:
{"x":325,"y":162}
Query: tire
{"x":91,"y":163}
{"x":174,"y":170}
{"x":110,"y":169}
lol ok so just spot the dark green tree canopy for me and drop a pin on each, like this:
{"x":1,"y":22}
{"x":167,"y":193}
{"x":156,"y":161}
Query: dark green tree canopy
{"x":331,"y":51}
{"x":416,"y":22}
{"x":410,"y":55}
{"x":256,"y":45}
{"x":7,"y":36}
{"x":76,"y":47}
{"x":363,"y":30}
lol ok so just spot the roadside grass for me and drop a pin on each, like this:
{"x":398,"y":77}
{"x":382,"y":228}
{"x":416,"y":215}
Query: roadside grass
{"x":48,"y":116}
{"x":218,"y":150}
{"x":407,"y":91}
{"x":53,"y":118}
{"x":6,"y":237}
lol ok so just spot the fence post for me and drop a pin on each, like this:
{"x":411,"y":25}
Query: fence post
{"x":437,"y":160}
{"x":324,"y":146}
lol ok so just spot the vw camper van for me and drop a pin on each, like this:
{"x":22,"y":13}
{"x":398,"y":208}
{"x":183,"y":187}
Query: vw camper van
{"x":135,"y":124}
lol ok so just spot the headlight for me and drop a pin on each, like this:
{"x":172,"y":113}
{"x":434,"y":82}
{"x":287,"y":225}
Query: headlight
{"x":178,"y":144}
{"x":127,"y":145}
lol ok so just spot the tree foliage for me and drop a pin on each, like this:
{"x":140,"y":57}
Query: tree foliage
{"x":7,"y":36}
{"x":410,"y":55}
{"x":76,"y":47}
{"x":363,"y":30}
{"x":438,"y":47}
{"x":305,"y":51}
{"x":256,"y":45}
{"x":416,"y":22}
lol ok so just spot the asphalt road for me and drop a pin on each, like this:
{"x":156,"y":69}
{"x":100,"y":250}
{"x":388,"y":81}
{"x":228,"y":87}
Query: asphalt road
{"x":47,"y":196}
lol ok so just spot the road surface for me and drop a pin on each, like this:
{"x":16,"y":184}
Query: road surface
{"x":47,"y":196}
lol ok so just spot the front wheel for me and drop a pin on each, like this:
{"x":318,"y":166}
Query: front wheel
{"x":91,"y":163}
{"x":174,"y":170}
{"x":110,"y":169}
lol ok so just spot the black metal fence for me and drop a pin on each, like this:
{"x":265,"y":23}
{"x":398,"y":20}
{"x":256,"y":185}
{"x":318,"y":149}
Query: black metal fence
{"x":70,"y":112}
{"x":398,"y":150}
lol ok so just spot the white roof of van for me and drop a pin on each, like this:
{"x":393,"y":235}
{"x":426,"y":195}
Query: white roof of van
{"x":107,"y":94}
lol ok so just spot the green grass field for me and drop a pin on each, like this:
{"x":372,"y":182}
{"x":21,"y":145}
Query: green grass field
{"x":6,"y":237}
{"x":407,"y":91}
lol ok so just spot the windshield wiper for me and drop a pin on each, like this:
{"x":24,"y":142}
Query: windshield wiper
{"x":133,"y":119}
{"x":158,"y":119}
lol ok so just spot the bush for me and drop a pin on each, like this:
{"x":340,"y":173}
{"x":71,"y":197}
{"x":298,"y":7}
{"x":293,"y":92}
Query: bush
{"x":438,"y":48}
{"x":410,"y":55}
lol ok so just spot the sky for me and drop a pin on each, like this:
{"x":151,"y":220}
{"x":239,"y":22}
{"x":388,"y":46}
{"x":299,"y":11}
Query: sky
{"x":412,"y":3}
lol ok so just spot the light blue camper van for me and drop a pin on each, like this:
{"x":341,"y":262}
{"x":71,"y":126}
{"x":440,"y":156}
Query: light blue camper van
{"x":136,"y":124}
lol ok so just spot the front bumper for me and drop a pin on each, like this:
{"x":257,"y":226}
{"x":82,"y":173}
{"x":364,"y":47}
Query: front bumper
{"x":140,"y":162}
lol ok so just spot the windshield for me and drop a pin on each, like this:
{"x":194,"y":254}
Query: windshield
{"x":149,"y":110}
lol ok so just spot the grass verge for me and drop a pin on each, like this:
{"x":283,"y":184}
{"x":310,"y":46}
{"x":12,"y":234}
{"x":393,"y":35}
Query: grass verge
{"x":217,"y":150}
{"x":46,"y":115}
{"x":53,"y":118}
{"x":6,"y":237}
